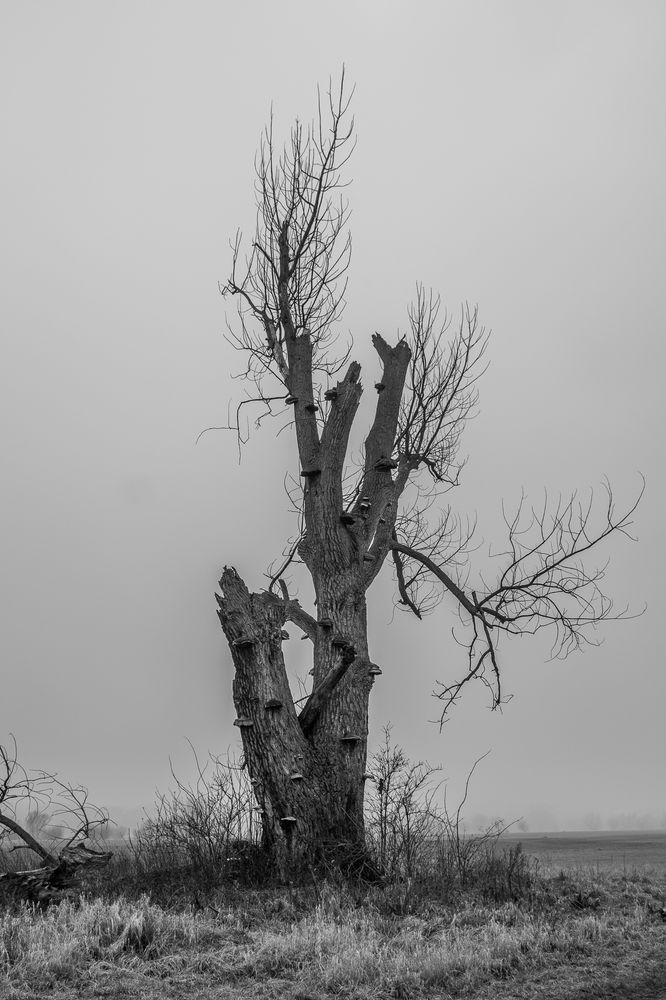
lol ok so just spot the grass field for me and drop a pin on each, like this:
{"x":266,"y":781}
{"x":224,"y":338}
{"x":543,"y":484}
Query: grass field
{"x":584,"y":930}
{"x":608,"y":850}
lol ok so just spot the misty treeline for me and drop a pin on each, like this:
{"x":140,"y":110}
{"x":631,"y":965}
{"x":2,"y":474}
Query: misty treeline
{"x":548,"y":822}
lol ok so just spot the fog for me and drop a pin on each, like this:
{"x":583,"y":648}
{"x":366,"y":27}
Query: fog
{"x":510,"y":155}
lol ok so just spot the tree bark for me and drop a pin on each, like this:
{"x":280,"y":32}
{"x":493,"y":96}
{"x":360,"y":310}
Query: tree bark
{"x":52,"y":882}
{"x":307,"y":771}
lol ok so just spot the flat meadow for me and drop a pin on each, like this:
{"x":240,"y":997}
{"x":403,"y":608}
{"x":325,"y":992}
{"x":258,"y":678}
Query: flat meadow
{"x":611,"y":850}
{"x":556,"y":917}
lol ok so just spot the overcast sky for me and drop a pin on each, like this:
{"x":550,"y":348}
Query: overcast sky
{"x":509,"y":153}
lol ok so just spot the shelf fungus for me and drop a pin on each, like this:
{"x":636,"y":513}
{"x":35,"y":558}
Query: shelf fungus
{"x":347,"y":518}
{"x":379,"y":386}
{"x":272,"y":704}
{"x":243,"y":723}
{"x":374,"y":670}
{"x":243,"y":642}
{"x":325,"y":622}
{"x":309,"y":473}
{"x":291,"y":400}
{"x":331,"y":394}
{"x":296,"y":776}
{"x":284,"y":634}
{"x":339,"y":642}
{"x":350,"y":738}
{"x":311,"y":407}
{"x":287,"y":819}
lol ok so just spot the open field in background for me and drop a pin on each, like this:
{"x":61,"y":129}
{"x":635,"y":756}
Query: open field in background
{"x":608,"y":850}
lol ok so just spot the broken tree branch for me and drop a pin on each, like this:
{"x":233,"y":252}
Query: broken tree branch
{"x":315,"y":703}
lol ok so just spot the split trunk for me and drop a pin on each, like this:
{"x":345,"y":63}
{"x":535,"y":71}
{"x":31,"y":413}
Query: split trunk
{"x":307,"y":768}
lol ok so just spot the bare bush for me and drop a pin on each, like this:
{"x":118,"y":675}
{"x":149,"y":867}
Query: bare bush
{"x":207,"y":829}
{"x":402,"y":819}
{"x":423,"y":847}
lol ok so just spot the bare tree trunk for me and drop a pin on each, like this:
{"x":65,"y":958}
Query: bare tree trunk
{"x":307,"y":769}
{"x":340,"y":733}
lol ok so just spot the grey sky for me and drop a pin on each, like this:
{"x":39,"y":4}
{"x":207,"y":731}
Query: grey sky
{"x":511,"y":154}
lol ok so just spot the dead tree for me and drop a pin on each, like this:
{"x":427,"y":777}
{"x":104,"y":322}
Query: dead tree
{"x":64,"y":860}
{"x":308,"y":763}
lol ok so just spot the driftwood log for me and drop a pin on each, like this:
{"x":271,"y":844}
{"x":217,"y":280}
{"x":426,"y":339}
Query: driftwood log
{"x":55,"y":880}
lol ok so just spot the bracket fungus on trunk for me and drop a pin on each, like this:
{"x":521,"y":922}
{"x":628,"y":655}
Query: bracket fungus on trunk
{"x":243,"y":642}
